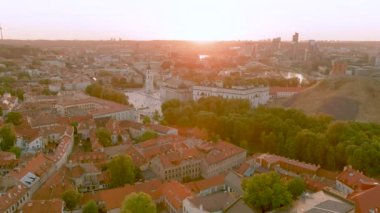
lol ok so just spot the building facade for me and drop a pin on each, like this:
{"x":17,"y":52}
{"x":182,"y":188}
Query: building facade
{"x":255,"y":95}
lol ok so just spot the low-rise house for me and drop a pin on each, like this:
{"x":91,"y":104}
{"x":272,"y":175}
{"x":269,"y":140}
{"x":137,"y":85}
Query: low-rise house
{"x":33,"y":172}
{"x":14,"y":199}
{"x":28,"y":139}
{"x":367,"y":201}
{"x":170,"y":194}
{"x":285,"y":165}
{"x":84,"y":128}
{"x":217,"y":202}
{"x":350,"y":180}
{"x":117,"y":131}
{"x":88,"y":157}
{"x":320,"y":201}
{"x":233,"y":183}
{"x":8,"y":103}
{"x":8,"y":161}
{"x":208,"y":186}
{"x":87,"y":177}
{"x":48,"y":206}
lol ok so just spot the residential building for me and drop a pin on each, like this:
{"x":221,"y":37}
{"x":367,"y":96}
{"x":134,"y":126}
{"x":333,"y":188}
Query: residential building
{"x":367,"y":201}
{"x":285,"y":165}
{"x":177,"y":165}
{"x":217,"y":202}
{"x":350,"y":180}
{"x":97,"y":108}
{"x":48,"y":206}
{"x":220,"y":157}
{"x":14,"y":199}
{"x":255,"y":95}
{"x":8,"y":161}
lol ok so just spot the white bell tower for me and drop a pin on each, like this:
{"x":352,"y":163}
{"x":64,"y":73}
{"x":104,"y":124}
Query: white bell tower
{"x":149,"y":87}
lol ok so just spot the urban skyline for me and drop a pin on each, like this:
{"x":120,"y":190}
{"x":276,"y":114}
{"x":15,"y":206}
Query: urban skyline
{"x":352,"y":20}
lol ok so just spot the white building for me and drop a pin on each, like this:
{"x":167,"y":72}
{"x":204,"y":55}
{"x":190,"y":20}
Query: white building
{"x":149,"y":87}
{"x":255,"y":95}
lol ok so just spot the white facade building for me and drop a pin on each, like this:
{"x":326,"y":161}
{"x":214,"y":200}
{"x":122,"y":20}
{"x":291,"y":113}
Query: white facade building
{"x":149,"y":87}
{"x":255,"y":95}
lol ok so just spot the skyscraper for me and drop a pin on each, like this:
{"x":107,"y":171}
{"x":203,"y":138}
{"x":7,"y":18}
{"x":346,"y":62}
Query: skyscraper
{"x":295,"y":37}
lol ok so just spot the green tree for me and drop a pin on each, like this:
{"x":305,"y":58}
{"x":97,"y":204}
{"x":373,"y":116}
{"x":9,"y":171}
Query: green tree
{"x":14,"y":118}
{"x":71,"y":198}
{"x":296,"y":187}
{"x":146,"y":120}
{"x":266,"y":192}
{"x":138,"y":203}
{"x":90,"y":207}
{"x":147,"y":135}
{"x":122,"y":170}
{"x":16,"y":150}
{"x":7,"y":137}
{"x":156,"y":116}
{"x":104,"y":136}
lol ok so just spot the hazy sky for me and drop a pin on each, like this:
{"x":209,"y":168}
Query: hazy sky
{"x":191,"y":19}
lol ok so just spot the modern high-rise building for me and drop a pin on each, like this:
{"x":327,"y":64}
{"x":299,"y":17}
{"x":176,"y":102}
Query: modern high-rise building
{"x":295,"y":37}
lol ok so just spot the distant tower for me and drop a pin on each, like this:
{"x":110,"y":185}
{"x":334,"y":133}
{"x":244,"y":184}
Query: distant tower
{"x":149,"y":80}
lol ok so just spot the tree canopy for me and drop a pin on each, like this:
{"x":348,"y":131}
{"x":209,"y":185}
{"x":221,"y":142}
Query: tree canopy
{"x":266,"y":192}
{"x":122,"y":170}
{"x":138,"y":203}
{"x":71,"y":198}
{"x":316,"y":139}
{"x":14,"y":117}
{"x":296,"y":187}
{"x":104,"y":136}
{"x":7,"y":137}
{"x":90,"y":207}
{"x":100,"y":91}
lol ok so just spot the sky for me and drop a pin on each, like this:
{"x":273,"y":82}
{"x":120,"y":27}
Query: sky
{"x":190,"y":19}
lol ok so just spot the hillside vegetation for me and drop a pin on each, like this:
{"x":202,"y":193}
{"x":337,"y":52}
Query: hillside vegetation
{"x":345,"y":98}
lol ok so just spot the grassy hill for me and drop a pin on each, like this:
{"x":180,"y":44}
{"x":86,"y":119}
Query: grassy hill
{"x":345,"y":98}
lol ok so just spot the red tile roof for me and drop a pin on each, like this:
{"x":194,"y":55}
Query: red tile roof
{"x":356,"y":180}
{"x":201,"y":185}
{"x":288,"y":163}
{"x":39,"y":206}
{"x":86,"y":157}
{"x":221,"y":151}
{"x":367,"y":200}
{"x":37,"y":165}
{"x":113,"y":198}
{"x":54,"y":186}
{"x":12,"y":196}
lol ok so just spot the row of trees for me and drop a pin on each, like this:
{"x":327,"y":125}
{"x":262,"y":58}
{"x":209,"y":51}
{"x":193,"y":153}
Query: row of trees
{"x":315,"y":139}
{"x":124,"y":83}
{"x":100,"y":91}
